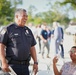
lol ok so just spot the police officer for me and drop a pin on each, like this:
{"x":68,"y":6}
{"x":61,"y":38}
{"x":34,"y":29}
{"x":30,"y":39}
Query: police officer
{"x":17,"y":43}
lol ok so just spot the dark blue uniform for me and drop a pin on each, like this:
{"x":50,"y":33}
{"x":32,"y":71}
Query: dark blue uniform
{"x":18,"y":41}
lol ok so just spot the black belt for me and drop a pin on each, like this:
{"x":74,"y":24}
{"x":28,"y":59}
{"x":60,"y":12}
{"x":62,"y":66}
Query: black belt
{"x":19,"y":62}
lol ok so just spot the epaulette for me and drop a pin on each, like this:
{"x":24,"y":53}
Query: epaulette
{"x":10,"y":25}
{"x":4,"y":28}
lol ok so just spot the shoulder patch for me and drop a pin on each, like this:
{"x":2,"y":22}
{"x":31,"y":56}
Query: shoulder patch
{"x":3,"y":30}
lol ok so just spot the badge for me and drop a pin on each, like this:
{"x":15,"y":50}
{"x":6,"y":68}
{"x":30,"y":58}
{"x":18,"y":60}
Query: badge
{"x":27,"y":32}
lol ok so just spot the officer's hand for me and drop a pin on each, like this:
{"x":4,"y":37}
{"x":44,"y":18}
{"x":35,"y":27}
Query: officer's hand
{"x":55,"y":59}
{"x":35,"y":68}
{"x":5,"y":67}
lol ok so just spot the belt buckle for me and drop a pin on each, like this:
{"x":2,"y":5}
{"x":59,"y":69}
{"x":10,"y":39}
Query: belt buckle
{"x":22,"y":63}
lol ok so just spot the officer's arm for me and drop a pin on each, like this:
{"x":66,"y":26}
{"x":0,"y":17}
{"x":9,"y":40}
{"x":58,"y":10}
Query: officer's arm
{"x":2,"y":53}
{"x":3,"y":59}
{"x":33,"y":53}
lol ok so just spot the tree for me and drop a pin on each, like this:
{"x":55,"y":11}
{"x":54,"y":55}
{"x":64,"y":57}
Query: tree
{"x":71,"y":2}
{"x":7,"y":11}
{"x":70,"y":6}
{"x":31,"y":9}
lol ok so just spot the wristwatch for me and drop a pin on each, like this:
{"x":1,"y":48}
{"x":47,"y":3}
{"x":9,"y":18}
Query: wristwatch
{"x":36,"y":63}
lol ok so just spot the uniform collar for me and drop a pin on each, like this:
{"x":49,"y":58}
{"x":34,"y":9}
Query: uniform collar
{"x":16,"y":26}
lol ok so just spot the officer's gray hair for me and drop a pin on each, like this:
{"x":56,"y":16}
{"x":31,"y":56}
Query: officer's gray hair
{"x":19,"y":11}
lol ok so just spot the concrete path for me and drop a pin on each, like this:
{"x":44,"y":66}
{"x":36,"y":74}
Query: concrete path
{"x":45,"y":65}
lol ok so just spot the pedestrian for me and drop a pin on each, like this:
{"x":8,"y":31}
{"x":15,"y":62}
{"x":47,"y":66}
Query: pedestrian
{"x":38,"y":37}
{"x":57,"y":37}
{"x":17,"y":44}
{"x":68,"y":68}
{"x":44,"y":41}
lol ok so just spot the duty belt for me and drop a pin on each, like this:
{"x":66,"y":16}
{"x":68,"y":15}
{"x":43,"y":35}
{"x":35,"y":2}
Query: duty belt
{"x":19,"y":62}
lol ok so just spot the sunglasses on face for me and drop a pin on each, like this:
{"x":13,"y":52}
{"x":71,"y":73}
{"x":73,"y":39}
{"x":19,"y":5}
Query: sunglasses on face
{"x":72,"y":51}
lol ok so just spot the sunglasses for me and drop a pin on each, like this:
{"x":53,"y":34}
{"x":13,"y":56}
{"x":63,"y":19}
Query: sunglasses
{"x":72,"y":51}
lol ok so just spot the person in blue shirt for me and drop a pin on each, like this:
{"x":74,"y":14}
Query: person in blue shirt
{"x":44,"y":41}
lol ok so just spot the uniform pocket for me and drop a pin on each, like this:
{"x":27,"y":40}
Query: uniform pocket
{"x":29,"y":39}
{"x":16,"y":38}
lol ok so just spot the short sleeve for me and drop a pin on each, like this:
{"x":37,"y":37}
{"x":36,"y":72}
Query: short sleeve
{"x":33,"y":40}
{"x":3,"y":36}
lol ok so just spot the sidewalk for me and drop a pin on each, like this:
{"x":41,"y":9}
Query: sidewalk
{"x":45,"y":65}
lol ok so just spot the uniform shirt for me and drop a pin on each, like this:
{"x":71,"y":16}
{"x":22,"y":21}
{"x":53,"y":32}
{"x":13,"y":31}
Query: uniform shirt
{"x":44,"y":34}
{"x":18,"y":41}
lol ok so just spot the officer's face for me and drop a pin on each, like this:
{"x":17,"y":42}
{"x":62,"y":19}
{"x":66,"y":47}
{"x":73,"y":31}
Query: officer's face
{"x":22,"y":18}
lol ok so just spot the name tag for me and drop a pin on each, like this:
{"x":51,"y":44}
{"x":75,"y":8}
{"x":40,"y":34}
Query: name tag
{"x":16,"y":34}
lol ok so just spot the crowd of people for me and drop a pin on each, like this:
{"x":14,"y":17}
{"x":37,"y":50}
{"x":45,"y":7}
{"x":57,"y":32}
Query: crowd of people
{"x":50,"y":38}
{"x":17,"y":46}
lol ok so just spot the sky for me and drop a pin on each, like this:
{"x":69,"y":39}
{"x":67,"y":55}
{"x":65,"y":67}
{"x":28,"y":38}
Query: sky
{"x":41,"y":6}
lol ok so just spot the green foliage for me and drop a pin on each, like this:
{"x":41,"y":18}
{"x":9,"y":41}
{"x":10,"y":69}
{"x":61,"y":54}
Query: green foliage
{"x":55,"y":13}
{"x":49,"y":17}
{"x":4,"y":5}
{"x":71,"y":2}
{"x":74,"y":19}
{"x":7,"y":11}
{"x":37,"y":20}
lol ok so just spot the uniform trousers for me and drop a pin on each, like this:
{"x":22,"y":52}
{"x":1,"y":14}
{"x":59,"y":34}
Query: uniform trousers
{"x":19,"y":69}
